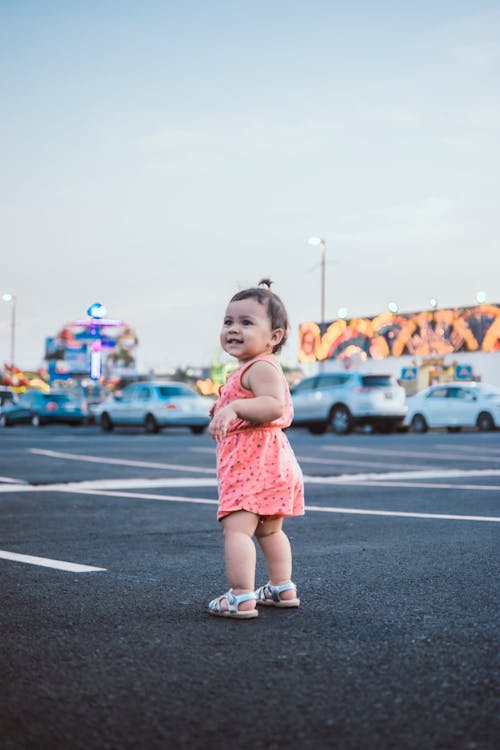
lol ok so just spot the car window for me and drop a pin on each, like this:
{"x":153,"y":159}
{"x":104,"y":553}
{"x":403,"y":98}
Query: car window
{"x":460,"y":393}
{"x":168,"y":391}
{"x":438,"y":393}
{"x":305,"y":385}
{"x":377,"y":381}
{"x":330,"y":381}
{"x":129,"y":393}
{"x":143,"y":393}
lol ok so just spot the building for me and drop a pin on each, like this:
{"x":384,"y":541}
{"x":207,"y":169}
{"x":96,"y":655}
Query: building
{"x":418,"y":348}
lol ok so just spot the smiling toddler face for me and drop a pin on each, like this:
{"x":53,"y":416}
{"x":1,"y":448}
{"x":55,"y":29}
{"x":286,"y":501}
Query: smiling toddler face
{"x":246,"y":331}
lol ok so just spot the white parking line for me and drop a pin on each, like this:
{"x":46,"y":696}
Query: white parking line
{"x":399,"y":475}
{"x":119,"y":461}
{"x":45,"y":562}
{"x":308,"y":508}
{"x":350,"y":462}
{"x":471,"y":449}
{"x":11,"y":480}
{"x":431,"y":454}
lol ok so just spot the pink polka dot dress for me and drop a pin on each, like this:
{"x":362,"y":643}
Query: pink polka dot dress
{"x":256,"y":466}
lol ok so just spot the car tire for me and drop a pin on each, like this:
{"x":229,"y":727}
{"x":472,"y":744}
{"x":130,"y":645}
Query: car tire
{"x":317,"y":429}
{"x":105,"y":422}
{"x":341,"y":420}
{"x":197,"y":429}
{"x":36,"y":421}
{"x":418,"y":424}
{"x":485,"y":422}
{"x":151,"y":425}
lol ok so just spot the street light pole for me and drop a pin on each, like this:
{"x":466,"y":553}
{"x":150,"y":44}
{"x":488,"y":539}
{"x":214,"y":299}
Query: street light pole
{"x":319,"y":241}
{"x":12,"y":299}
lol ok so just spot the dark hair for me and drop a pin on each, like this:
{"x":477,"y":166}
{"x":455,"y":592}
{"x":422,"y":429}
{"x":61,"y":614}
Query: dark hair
{"x":275,"y":308}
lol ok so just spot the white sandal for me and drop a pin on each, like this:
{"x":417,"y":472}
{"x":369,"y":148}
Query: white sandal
{"x":231,"y":609}
{"x":269,"y":595}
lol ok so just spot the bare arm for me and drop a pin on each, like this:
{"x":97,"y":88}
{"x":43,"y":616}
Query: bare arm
{"x":265,"y":382}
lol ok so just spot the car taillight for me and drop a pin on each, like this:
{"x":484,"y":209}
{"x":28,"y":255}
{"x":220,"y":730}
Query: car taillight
{"x":170,"y":406}
{"x":362,"y":389}
{"x":51,"y":406}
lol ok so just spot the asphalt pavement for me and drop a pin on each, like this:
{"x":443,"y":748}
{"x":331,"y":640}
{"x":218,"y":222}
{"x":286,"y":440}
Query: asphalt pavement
{"x":110,"y":550}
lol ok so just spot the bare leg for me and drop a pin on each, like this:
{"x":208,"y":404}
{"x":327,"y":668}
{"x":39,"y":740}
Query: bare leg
{"x":277,"y":553}
{"x":239,"y":548}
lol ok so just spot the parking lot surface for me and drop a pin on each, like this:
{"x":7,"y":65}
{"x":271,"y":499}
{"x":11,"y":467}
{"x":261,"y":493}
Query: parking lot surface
{"x":110,"y":550}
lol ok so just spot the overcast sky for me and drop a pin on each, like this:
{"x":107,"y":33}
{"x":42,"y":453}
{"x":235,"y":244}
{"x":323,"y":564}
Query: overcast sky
{"x":159,"y":156}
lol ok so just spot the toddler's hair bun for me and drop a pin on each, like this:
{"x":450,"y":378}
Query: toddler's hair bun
{"x":265,"y":282}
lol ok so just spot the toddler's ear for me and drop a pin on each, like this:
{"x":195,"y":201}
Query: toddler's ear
{"x":277,"y":335}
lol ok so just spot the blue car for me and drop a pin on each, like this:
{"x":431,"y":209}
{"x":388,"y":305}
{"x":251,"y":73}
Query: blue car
{"x":44,"y":408}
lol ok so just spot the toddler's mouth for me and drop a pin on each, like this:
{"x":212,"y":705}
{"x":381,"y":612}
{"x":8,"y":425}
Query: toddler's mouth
{"x":234,"y":341}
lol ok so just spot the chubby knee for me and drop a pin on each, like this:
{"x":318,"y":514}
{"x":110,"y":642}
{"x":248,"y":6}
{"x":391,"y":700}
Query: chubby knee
{"x":265,"y":530}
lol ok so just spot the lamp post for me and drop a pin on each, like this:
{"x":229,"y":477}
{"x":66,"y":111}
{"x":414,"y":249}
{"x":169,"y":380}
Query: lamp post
{"x":319,"y":241}
{"x":12,"y":299}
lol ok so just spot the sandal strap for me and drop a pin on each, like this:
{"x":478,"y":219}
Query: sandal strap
{"x":273,"y":592}
{"x":233,"y":601}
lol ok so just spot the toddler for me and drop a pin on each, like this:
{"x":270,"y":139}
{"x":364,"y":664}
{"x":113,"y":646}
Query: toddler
{"x":260,"y":481}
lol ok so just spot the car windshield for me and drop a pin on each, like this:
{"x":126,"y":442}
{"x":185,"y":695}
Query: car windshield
{"x":168,"y":391}
{"x":377,"y":381}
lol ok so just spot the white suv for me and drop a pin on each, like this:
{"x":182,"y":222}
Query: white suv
{"x":346,"y":400}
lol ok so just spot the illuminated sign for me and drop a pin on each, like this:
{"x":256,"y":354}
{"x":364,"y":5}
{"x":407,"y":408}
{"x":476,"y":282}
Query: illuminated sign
{"x":429,"y":332}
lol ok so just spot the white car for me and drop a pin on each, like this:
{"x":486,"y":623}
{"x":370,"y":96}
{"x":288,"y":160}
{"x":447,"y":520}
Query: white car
{"x":345,"y":400}
{"x":455,"y":405}
{"x":154,"y":405}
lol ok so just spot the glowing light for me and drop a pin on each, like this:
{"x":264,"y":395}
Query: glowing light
{"x":7,"y":297}
{"x":314,"y":240}
{"x":433,"y":303}
{"x":97,"y":310}
{"x":393,"y":307}
{"x":481,"y":297}
{"x":342,"y":313}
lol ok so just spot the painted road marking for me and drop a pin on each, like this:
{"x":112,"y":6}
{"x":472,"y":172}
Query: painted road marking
{"x":387,"y":479}
{"x":317,"y":508}
{"x":118,"y":461}
{"x":351,"y":462}
{"x":472,"y":449}
{"x":417,"y":454}
{"x":11,"y":480}
{"x":398,"y":475}
{"x":45,"y":562}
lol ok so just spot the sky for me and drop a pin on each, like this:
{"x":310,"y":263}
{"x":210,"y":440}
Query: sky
{"x":158,"y":157}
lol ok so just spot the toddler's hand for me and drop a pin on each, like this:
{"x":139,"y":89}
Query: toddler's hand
{"x":221,"y":421}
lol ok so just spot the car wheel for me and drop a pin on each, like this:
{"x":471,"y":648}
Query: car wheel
{"x":317,"y":429}
{"x":151,"y":424}
{"x":485,"y":422}
{"x":197,"y":429}
{"x":106,"y":423}
{"x":36,"y":421}
{"x":341,"y":420}
{"x":418,"y":424}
